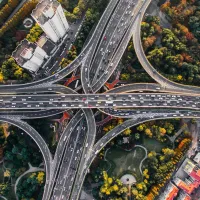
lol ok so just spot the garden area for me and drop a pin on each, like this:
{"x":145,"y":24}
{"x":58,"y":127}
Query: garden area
{"x":124,"y":153}
{"x":122,"y":162}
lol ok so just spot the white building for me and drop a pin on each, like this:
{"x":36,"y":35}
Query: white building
{"x":51,"y":18}
{"x":29,"y":56}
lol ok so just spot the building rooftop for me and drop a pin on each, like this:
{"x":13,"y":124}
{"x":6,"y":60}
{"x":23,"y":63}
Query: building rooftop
{"x":45,"y":10}
{"x":192,"y":170}
{"x":197,"y":158}
{"x":23,"y":52}
{"x":188,"y":187}
{"x":170,"y":192}
{"x":189,"y":166}
{"x":46,"y":44}
{"x":184,"y":196}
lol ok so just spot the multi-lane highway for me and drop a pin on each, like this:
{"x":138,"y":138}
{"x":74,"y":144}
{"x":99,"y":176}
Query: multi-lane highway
{"x":99,"y":58}
{"x":133,"y":100}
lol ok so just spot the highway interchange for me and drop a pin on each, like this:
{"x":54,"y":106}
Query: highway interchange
{"x":66,"y":170}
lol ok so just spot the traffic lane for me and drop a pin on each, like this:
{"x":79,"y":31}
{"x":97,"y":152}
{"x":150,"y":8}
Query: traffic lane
{"x":100,"y":27}
{"x":32,"y":114}
{"x":128,"y":113}
{"x":64,"y":140}
{"x":60,"y":179}
{"x":85,"y":97}
{"x":168,"y":103}
{"x":115,"y":60}
{"x":107,"y":73}
{"x":108,"y":34}
{"x":111,"y":45}
{"x":67,"y":168}
{"x":89,"y":142}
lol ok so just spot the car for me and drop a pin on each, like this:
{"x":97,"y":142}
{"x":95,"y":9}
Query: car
{"x":105,"y":38}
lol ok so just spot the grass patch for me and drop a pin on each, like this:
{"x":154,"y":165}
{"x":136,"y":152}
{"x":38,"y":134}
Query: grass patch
{"x":123,"y":161}
{"x":153,"y":145}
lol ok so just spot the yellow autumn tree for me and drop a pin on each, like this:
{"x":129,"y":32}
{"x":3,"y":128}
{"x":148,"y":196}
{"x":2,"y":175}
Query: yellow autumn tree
{"x":127,"y":132}
{"x":148,"y":132}
{"x":40,"y":177}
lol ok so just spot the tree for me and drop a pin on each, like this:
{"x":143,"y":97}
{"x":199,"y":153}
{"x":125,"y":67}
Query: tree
{"x":112,"y":187}
{"x":148,"y":132}
{"x":77,"y":11}
{"x":125,"y":76}
{"x":34,"y":33}
{"x":4,"y":188}
{"x":141,"y":127}
{"x":127,"y":132}
{"x":169,"y":153}
{"x":162,"y":131}
{"x":30,"y":187}
{"x":21,"y":14}
{"x":137,"y":136}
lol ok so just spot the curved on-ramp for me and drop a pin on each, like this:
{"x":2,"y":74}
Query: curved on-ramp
{"x":164,"y":82}
{"x":40,"y":143}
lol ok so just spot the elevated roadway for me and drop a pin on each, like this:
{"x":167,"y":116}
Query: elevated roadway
{"x":86,"y":66}
{"x":87,"y":150}
{"x":68,"y":176}
{"x":133,"y":100}
{"x":109,"y":69}
{"x":60,"y":150}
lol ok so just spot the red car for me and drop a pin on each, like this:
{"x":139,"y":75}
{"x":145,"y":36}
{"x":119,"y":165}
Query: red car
{"x":104,"y":38}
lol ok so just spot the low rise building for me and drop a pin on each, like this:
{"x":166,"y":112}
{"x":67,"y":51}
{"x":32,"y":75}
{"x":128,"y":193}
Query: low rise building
{"x":197,"y":158}
{"x":188,"y":185}
{"x":184,"y":196}
{"x":192,"y":170}
{"x":29,"y":55}
{"x":170,"y":192}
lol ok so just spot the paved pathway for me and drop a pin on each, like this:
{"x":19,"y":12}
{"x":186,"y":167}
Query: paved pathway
{"x":2,"y":197}
{"x":31,"y":169}
{"x":86,"y":196}
{"x":172,"y":139}
{"x":143,"y":158}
